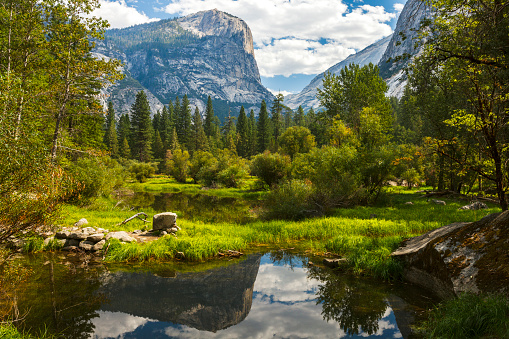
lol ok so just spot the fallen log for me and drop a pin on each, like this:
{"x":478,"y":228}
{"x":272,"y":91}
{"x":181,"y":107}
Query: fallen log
{"x":137,"y":215}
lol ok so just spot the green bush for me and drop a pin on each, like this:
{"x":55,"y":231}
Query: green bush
{"x":225,"y":170}
{"x":141,"y":171}
{"x":290,"y":200}
{"x":94,"y":177}
{"x":271,"y":167}
{"x":470,"y":316}
{"x":177,"y":164}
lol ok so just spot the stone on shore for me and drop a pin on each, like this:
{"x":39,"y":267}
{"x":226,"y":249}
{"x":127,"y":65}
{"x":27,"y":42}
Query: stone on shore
{"x":122,"y":236}
{"x":81,"y":222}
{"x":163,"y":221}
{"x":474,"y":206}
{"x":460,"y":257}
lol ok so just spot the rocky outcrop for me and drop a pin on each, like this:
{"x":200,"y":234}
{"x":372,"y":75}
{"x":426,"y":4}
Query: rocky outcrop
{"x":307,"y":97}
{"x":163,"y":221}
{"x":209,"y":53}
{"x":460,"y":257}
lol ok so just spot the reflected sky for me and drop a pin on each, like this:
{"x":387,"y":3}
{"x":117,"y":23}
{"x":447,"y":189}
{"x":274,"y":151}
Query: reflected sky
{"x":284,"y":305}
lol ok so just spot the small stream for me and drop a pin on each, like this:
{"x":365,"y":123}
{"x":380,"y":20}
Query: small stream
{"x":272,"y":295}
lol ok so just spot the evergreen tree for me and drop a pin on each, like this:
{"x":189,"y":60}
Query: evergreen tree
{"x":300,"y":118}
{"x":229,"y":132}
{"x":200,"y":142}
{"x":288,"y":117}
{"x":253,"y":136}
{"x":125,"y":151}
{"x":263,"y":128}
{"x":184,"y":123}
{"x":141,"y":128}
{"x":112,"y":145}
{"x":110,"y":119}
{"x":164,"y":128}
{"x":159,"y":151}
{"x":124,"y":129}
{"x":243,"y":134}
{"x":209,"y":118}
{"x":277,"y":119}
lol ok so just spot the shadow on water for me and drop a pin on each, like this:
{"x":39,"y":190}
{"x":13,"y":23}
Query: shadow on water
{"x":260,"y":296}
{"x":203,"y":207}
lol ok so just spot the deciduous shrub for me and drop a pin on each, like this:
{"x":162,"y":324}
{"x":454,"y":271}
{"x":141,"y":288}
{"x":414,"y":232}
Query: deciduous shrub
{"x":291,"y":200}
{"x":141,"y":171}
{"x":271,"y":167}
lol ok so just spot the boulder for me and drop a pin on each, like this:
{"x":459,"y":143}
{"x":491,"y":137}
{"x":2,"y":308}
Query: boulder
{"x":122,"y":236}
{"x":409,"y":203}
{"x":81,"y":222}
{"x":460,"y":257}
{"x":164,"y":221}
{"x":78,"y":235}
{"x":72,"y":243}
{"x":99,"y":246}
{"x":62,"y":235}
{"x":89,"y":230}
{"x":438,"y":202}
{"x":86,"y":245}
{"x":95,"y":237}
{"x":474,"y":206}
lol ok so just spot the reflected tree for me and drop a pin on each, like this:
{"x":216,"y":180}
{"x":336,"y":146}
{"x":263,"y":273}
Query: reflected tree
{"x":355,"y":307}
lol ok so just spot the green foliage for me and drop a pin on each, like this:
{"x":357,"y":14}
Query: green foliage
{"x":141,"y":128}
{"x":263,"y":129}
{"x":33,"y":244}
{"x":94,"y":177}
{"x":470,"y":316}
{"x":225,"y":170}
{"x":270,"y":167}
{"x":177,"y":164}
{"x":290,"y":200}
{"x":141,"y":171}
{"x":296,"y":139}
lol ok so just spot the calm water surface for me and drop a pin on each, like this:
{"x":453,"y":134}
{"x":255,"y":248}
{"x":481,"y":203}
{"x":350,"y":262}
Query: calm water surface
{"x":274,"y":295}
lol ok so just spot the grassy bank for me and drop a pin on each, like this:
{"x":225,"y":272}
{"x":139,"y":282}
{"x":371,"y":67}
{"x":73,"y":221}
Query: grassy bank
{"x":364,"y":235}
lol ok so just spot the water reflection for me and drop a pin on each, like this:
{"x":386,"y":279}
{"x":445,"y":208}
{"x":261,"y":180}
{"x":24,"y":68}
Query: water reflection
{"x":274,"y":295}
{"x":201,"y":207}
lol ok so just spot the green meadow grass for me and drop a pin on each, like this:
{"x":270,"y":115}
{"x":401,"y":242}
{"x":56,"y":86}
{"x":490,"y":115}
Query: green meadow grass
{"x":364,"y":235}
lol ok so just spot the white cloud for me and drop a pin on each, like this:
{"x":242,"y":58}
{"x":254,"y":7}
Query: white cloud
{"x":300,"y":36}
{"x":285,"y":93}
{"x":120,"y":15}
{"x":398,"y":7}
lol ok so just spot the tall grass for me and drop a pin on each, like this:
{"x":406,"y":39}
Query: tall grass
{"x":364,"y":235}
{"x":470,"y":316}
{"x":9,"y":331}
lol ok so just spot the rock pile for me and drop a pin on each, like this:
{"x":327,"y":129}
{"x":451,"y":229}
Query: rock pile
{"x":87,"y":239}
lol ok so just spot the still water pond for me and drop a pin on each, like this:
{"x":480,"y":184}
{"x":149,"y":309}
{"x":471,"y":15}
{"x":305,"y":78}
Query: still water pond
{"x":203,"y":207}
{"x":275,"y":295}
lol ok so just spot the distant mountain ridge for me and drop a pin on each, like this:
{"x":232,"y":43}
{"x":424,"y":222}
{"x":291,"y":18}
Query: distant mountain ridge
{"x":382,"y":53}
{"x":209,"y":53}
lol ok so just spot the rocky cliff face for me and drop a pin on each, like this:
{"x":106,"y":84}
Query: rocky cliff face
{"x":209,"y":53}
{"x":307,"y":98}
{"x":402,"y":44}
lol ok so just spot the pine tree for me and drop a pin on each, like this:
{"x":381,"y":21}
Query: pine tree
{"x":184,"y":123}
{"x":200,"y":142}
{"x":300,"y":117}
{"x":141,"y":128}
{"x":125,"y":151}
{"x":174,"y":142}
{"x":124,"y":129}
{"x":277,"y":119}
{"x":243,"y":134}
{"x":209,"y":118}
{"x":253,"y":136}
{"x":164,"y":128}
{"x":263,"y":128}
{"x":158,"y":147}
{"x":112,"y":140}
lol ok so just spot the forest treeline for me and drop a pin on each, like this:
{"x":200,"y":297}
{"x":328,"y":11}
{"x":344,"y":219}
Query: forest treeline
{"x":448,"y":131}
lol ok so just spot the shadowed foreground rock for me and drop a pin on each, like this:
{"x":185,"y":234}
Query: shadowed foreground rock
{"x":460,"y":257}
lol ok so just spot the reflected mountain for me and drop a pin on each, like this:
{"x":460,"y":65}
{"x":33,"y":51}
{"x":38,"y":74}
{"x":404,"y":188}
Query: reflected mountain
{"x":209,"y":301}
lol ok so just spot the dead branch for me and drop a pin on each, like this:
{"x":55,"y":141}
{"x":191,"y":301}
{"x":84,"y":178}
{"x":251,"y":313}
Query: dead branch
{"x":137,"y":215}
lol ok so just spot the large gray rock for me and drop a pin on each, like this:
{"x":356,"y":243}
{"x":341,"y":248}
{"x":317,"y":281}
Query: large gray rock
{"x":163,"y":221}
{"x":122,"y":236}
{"x":95,"y":237}
{"x":460,"y":257}
{"x":474,"y":206}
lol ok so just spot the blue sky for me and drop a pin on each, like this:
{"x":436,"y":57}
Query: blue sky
{"x":294,"y":40}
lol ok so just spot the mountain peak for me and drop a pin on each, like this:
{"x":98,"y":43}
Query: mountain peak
{"x":217,"y":23}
